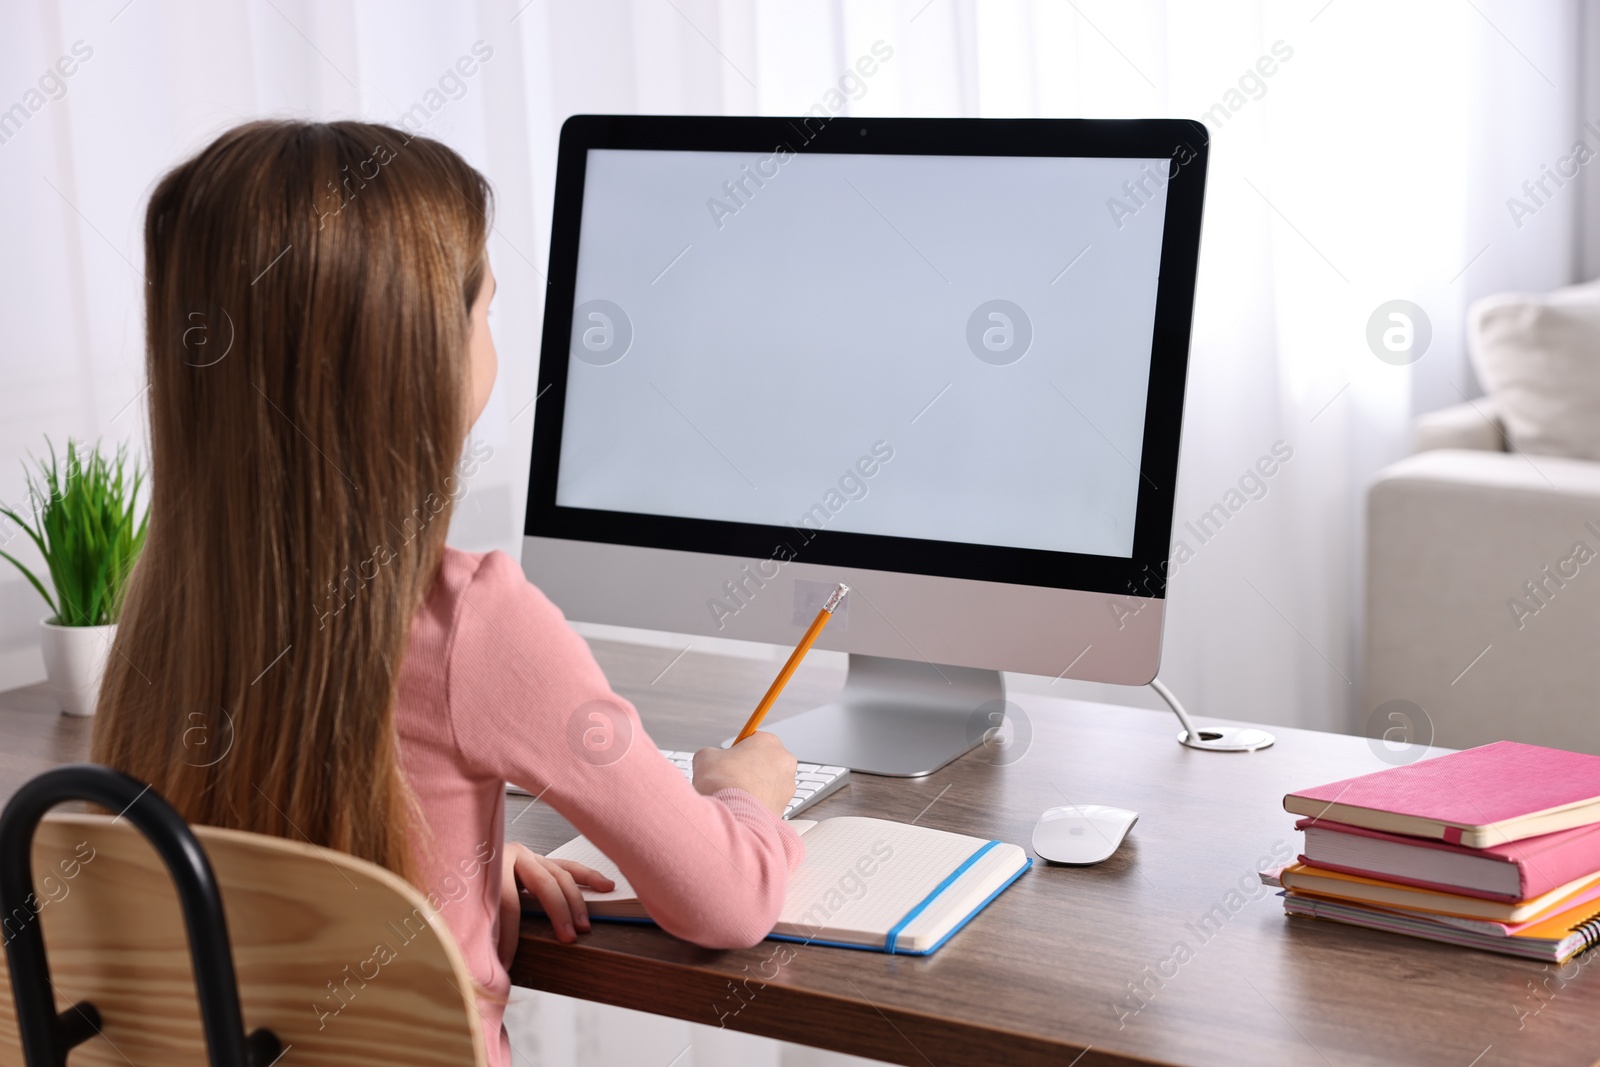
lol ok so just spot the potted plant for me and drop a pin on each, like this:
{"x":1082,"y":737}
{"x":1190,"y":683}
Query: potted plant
{"x":83,"y":524}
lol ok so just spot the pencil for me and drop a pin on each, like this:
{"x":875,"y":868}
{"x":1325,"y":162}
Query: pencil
{"x":795,"y":657}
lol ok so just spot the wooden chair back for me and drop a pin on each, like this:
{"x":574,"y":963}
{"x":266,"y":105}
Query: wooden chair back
{"x":345,"y":962}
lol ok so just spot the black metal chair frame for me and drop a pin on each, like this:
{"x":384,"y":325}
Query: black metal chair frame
{"x":47,"y":1035}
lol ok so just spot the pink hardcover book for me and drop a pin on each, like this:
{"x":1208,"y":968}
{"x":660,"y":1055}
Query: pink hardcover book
{"x":1518,"y":870}
{"x":1479,"y":797}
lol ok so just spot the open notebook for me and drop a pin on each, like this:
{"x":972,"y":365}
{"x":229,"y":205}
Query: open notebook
{"x":866,"y":883}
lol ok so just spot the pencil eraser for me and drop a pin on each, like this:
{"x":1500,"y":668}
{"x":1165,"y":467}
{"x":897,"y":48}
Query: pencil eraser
{"x":811,"y":597}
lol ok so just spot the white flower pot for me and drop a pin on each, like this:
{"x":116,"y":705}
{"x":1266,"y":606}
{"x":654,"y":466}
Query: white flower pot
{"x":74,"y":660}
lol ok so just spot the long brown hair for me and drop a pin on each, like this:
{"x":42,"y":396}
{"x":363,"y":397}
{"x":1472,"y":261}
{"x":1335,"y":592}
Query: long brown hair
{"x":307,"y":324}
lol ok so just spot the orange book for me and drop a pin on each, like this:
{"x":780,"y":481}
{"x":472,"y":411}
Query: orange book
{"x":1350,"y":887}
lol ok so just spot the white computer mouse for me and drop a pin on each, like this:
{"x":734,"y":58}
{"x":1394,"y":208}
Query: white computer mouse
{"x":1081,"y":834}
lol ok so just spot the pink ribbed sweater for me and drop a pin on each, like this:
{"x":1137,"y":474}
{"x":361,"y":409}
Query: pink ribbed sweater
{"x":496,"y":687}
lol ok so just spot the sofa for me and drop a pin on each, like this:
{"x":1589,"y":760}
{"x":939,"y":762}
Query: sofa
{"x":1482,"y":598}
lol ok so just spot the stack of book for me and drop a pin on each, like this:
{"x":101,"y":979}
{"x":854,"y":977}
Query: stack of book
{"x":1495,"y":848}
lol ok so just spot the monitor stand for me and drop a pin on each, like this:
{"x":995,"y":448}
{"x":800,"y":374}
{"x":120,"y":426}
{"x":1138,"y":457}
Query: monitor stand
{"x":896,"y":717}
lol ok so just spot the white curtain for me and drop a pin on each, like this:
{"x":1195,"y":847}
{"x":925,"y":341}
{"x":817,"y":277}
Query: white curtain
{"x":1362,"y":152}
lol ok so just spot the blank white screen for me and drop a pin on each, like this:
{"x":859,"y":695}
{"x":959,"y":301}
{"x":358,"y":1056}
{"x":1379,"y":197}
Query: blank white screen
{"x":776,"y":339}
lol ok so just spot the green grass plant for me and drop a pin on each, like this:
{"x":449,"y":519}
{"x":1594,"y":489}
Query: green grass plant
{"x":84,"y":526}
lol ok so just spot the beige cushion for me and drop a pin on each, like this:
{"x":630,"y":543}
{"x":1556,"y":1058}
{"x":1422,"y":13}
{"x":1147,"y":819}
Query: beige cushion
{"x":1538,"y":358}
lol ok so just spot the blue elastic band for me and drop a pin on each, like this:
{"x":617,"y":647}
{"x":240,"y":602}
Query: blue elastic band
{"x":888,"y":944}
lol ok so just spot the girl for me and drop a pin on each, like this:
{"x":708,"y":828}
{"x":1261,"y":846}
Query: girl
{"x":300,"y":653}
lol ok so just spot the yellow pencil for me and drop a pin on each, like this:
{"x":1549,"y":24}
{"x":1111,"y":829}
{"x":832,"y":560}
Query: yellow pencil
{"x":795,"y":657}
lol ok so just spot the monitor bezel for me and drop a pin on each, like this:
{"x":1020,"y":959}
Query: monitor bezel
{"x":1184,"y":142}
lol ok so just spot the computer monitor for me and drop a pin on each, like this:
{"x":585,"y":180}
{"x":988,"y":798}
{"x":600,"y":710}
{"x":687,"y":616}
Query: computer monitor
{"x":940,"y":360}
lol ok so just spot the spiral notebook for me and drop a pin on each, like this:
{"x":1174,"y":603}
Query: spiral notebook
{"x":1552,"y":940}
{"x":865,"y":883}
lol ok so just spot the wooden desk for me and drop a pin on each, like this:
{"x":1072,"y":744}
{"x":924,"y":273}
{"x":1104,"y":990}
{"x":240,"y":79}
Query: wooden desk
{"x":1046,"y":971}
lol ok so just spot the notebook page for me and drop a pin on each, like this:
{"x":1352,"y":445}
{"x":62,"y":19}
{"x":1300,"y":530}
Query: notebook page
{"x":582,"y":850}
{"x":861,"y":876}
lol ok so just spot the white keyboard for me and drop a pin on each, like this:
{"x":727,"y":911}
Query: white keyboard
{"x":812,"y":781}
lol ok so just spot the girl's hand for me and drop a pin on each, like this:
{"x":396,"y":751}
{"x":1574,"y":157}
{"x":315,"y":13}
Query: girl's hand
{"x":759,"y":765}
{"x":554,"y":883}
